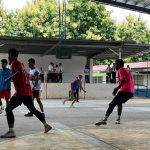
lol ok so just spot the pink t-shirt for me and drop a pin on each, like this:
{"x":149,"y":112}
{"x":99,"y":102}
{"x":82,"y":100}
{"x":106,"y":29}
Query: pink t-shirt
{"x":21,"y":81}
{"x":128,"y":86}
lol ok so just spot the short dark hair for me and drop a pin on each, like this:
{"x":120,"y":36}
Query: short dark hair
{"x":4,"y":61}
{"x":13,"y":52}
{"x":120,"y":61}
{"x":80,"y":76}
{"x":31,"y":60}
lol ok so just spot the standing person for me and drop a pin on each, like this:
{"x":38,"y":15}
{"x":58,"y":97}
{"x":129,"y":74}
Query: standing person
{"x":23,"y":94}
{"x":128,"y":68}
{"x":5,"y":88}
{"x":50,"y":71}
{"x":72,"y":93}
{"x":42,"y":74}
{"x":126,"y":86}
{"x":36,"y":84}
{"x":87,"y":72}
{"x":108,"y":74}
{"x":56,"y":74}
{"x":76,"y":86}
{"x":113,"y":71}
{"x":60,"y":72}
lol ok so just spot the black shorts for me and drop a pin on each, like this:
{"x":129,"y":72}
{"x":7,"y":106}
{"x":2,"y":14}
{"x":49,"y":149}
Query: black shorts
{"x":123,"y":97}
{"x":37,"y":94}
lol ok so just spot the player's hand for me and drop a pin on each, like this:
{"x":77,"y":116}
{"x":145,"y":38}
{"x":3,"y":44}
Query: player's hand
{"x":115,"y":91}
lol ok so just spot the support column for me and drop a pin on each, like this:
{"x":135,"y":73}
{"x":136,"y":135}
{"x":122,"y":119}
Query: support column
{"x":91,"y":70}
{"x":120,"y":53}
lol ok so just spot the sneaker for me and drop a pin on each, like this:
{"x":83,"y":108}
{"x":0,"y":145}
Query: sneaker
{"x":102,"y":122}
{"x":72,"y":106}
{"x":9,"y":134}
{"x":28,"y":114}
{"x":1,"y":109}
{"x":117,"y":121}
{"x":47,"y":128}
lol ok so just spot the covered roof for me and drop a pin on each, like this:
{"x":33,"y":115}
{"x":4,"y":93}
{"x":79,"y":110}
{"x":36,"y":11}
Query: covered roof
{"x":135,"y":5}
{"x":89,"y":48}
{"x":135,"y":65}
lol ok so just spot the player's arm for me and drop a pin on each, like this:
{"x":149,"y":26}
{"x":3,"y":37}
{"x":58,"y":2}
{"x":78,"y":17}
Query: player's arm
{"x":13,"y":75}
{"x":36,"y":79}
{"x":81,"y":88}
{"x":122,"y":82}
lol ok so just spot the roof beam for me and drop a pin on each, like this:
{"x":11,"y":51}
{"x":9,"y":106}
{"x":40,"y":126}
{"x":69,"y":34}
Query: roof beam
{"x":124,"y":5}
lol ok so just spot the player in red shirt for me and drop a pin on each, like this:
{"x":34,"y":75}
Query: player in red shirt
{"x":23,"y":94}
{"x":126,"y":86}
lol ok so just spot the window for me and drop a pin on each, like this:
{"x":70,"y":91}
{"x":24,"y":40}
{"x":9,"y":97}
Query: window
{"x":97,"y":79}
{"x":138,"y":80}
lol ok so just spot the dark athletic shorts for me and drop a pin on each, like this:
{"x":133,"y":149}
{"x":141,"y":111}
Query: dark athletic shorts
{"x":37,"y":94}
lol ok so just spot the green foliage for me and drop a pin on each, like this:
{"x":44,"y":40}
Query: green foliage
{"x":84,"y":20}
{"x":133,"y":29}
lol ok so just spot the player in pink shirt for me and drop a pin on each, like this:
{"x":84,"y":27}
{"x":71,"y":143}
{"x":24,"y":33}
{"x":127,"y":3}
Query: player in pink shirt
{"x":126,"y":91}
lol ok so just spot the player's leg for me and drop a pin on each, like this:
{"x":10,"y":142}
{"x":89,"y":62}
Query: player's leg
{"x":119,"y":111}
{"x":77,"y":95}
{"x":1,"y":105}
{"x":14,"y":102}
{"x":7,"y":97}
{"x":38,"y":98}
{"x":29,"y":114}
{"x":124,"y":97}
{"x":110,"y":109}
{"x":27,"y":100}
{"x":75,"y":99}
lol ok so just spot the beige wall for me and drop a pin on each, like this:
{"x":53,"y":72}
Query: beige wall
{"x":94,"y":91}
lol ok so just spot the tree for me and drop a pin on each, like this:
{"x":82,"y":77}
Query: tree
{"x":84,"y":20}
{"x":134,"y":29}
{"x":88,"y":20}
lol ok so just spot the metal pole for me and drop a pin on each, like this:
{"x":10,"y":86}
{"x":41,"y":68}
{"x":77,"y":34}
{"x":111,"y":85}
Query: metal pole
{"x":120,"y":55}
{"x":65,"y":19}
{"x":147,"y":79}
{"x":59,"y":13}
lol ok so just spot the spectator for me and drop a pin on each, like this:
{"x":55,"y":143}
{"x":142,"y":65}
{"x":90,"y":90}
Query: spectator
{"x":113,"y":71}
{"x":42,"y":74}
{"x":60,"y":69}
{"x":128,"y":68}
{"x":56,"y":73}
{"x":87,"y":72}
{"x":50,"y":71}
{"x":108,"y":74}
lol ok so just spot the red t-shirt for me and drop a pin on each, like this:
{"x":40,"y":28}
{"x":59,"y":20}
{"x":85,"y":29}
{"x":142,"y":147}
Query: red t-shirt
{"x":21,"y":81}
{"x":128,"y":86}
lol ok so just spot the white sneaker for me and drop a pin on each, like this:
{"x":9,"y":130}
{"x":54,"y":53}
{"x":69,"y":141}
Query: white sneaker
{"x":72,"y":106}
{"x":117,"y":121}
{"x":1,"y":109}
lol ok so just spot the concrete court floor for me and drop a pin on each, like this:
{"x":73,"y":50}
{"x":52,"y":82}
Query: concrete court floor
{"x":73,"y":128}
